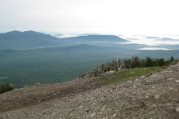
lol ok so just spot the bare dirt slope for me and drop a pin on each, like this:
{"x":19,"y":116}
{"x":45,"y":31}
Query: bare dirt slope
{"x":155,"y":96}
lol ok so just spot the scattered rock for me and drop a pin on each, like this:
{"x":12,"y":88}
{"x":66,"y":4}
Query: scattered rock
{"x":87,"y":111}
{"x":93,"y":114}
{"x":114,"y":115}
{"x":177,"y":109}
{"x":105,"y":117}
{"x":157,"y":96}
{"x":104,"y":107}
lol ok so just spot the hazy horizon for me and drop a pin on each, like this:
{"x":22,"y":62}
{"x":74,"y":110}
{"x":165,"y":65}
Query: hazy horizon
{"x":154,"y":42}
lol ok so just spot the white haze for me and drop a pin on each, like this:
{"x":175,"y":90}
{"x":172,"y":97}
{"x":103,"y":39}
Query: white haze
{"x":126,"y":17}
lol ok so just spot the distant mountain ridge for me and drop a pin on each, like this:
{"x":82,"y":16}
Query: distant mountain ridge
{"x":97,"y":37}
{"x":26,"y":40}
{"x":32,"y":39}
{"x":24,"y":35}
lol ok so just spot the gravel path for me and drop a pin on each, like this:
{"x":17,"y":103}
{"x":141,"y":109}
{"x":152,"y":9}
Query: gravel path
{"x":155,"y":96}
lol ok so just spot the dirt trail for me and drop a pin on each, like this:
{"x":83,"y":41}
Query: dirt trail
{"x":155,"y":96}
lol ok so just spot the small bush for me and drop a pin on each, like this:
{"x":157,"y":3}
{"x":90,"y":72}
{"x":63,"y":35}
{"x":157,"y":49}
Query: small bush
{"x":6,"y":87}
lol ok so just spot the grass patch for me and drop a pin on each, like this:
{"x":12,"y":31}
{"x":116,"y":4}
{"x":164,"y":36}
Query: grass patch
{"x":129,"y":74}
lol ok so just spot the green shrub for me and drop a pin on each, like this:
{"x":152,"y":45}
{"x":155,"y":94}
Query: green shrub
{"x":134,"y":62}
{"x":6,"y":87}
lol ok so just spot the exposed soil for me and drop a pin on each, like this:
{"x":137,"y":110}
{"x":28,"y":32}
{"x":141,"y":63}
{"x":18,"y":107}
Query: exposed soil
{"x":154,"y":96}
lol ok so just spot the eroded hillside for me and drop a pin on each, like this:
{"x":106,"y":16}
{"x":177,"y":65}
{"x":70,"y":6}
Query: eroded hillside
{"x":150,"y":96}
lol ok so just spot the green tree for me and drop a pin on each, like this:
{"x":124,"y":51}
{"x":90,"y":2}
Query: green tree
{"x":135,"y":62}
{"x":172,"y":59}
{"x":148,"y":62}
{"x":161,"y":62}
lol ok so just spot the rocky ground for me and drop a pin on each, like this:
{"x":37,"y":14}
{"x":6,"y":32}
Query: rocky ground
{"x":154,"y":96}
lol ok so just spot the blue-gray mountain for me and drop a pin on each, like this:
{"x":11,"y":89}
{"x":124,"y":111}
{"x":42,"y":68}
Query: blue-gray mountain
{"x":32,"y":40}
{"x":26,"y":40}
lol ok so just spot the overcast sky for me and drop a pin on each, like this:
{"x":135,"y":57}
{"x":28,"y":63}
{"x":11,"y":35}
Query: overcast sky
{"x":128,"y":17}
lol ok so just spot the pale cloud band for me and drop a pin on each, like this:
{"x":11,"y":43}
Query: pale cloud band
{"x":153,"y":41}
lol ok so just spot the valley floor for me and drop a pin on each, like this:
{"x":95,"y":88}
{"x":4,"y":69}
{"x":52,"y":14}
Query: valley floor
{"x":151,"y":96}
